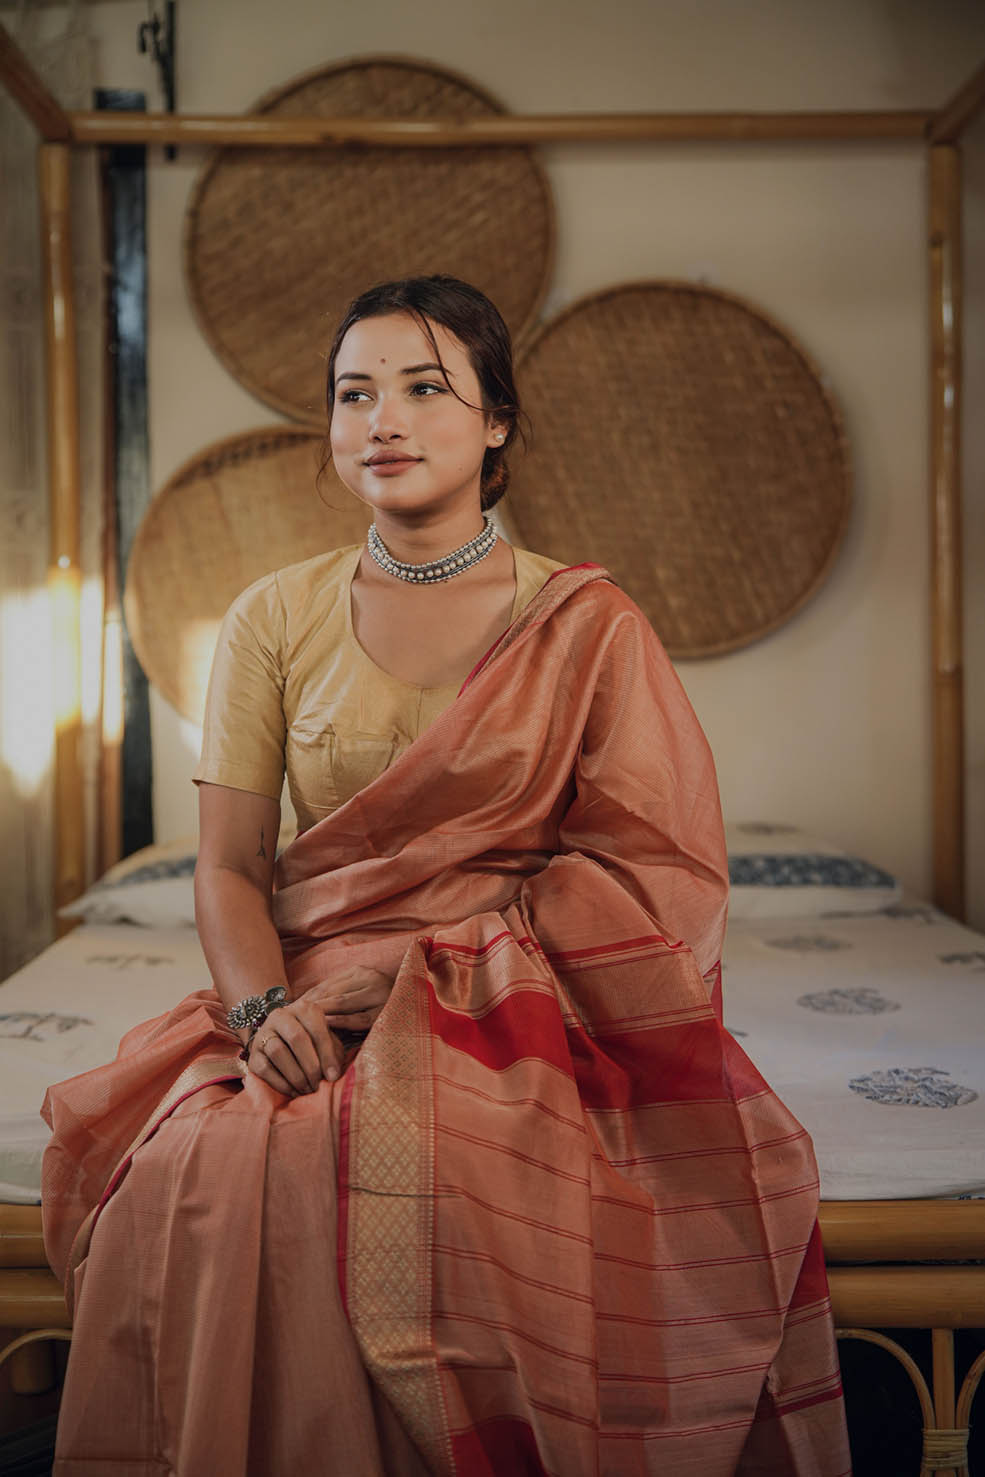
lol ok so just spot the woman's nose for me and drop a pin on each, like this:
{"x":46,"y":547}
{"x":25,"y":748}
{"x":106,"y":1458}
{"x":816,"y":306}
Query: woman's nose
{"x":387,"y":420}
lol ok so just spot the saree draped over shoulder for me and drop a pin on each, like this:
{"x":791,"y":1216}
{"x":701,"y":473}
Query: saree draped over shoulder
{"x":550,"y":1220}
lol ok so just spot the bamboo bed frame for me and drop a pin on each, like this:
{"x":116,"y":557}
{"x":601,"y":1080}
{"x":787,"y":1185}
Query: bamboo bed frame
{"x":891,"y":1263}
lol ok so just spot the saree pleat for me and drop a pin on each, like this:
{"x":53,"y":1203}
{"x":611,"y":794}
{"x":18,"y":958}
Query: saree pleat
{"x":551,"y":1219}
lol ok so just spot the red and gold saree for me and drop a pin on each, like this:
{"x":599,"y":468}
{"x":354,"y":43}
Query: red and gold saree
{"x":550,"y":1220}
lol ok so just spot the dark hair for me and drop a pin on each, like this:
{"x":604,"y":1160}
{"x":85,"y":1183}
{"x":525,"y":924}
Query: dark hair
{"x":477,"y":324}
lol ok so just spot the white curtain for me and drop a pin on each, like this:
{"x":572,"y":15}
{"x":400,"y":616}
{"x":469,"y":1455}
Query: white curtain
{"x":60,"y":49}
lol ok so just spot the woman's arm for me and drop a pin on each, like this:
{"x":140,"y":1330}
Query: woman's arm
{"x":233,"y":886}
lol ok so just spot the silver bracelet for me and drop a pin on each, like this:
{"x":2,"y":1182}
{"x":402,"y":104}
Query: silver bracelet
{"x":253,"y":1011}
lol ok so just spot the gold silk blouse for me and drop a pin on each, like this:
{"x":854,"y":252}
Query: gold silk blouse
{"x":292,"y":690}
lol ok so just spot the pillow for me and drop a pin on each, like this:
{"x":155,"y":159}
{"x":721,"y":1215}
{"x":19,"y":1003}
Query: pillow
{"x":153,"y":887}
{"x":781,"y":872}
{"x":776,"y":871}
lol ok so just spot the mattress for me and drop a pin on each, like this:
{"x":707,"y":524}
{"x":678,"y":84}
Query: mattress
{"x":66,"y":1011}
{"x":870,"y":1027}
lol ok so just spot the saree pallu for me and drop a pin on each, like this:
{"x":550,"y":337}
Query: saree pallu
{"x":550,"y":1220}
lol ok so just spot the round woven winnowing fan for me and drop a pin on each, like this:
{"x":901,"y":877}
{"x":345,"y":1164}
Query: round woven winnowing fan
{"x":686,"y":442}
{"x":240,"y":509}
{"x":279,"y":241}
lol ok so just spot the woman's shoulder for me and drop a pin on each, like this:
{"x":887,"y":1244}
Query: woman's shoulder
{"x":294,"y":586}
{"x":531,"y":565}
{"x":537,"y":569}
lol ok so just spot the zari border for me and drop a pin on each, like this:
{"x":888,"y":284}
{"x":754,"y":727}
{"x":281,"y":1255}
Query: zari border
{"x":387,"y":1179}
{"x":198,"y":1074}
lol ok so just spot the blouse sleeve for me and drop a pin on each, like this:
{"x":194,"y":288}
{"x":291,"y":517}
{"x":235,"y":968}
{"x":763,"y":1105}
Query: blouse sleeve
{"x":244,"y":729}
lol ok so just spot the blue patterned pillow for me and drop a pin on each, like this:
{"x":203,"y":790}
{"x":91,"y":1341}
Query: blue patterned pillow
{"x":807,"y":869}
{"x":153,"y":887}
{"x":781,"y":872}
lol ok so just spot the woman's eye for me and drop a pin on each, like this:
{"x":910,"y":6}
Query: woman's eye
{"x":347,"y":397}
{"x":425,"y":386}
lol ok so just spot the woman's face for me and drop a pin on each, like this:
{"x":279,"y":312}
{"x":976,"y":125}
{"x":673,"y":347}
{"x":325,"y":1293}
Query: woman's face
{"x":401,"y":441}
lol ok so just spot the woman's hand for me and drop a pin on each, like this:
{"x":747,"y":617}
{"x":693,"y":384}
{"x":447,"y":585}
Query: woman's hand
{"x":296,"y":1048}
{"x":353,"y":997}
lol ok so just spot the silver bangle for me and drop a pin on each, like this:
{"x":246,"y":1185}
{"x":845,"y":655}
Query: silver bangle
{"x":253,"y":1011}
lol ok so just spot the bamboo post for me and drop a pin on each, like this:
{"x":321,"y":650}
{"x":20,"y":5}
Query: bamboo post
{"x":945,"y":533}
{"x":942,"y":1342}
{"x":64,"y":581}
{"x":947,"y":126}
{"x":110,"y":834}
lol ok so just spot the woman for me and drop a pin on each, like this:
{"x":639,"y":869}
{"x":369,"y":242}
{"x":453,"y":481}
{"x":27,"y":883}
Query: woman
{"x":493,"y":1191}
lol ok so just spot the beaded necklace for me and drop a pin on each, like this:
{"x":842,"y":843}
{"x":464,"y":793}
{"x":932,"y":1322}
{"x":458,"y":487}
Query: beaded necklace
{"x":435,"y":570}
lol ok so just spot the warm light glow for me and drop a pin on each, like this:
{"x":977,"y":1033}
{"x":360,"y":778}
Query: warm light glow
{"x":197,"y":641}
{"x":113,"y":679}
{"x":65,"y":593}
{"x":91,"y":635}
{"x":26,"y":716}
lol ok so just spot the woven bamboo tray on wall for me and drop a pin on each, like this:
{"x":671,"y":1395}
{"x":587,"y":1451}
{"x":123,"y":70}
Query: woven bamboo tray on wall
{"x":687,"y":442}
{"x":239,"y":509}
{"x":278,"y":241}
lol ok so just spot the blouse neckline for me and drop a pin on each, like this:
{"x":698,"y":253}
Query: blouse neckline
{"x":348,"y":575}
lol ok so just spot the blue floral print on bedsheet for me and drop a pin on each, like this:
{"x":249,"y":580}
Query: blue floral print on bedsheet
{"x":913,"y":1087}
{"x":809,"y":943}
{"x":845,"y":1001}
{"x":36,"y":1025}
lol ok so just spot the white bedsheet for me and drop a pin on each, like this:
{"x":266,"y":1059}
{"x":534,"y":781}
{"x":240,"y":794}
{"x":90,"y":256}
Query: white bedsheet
{"x":893,"y":1002}
{"x":872,"y":1030}
{"x":66,"y":1011}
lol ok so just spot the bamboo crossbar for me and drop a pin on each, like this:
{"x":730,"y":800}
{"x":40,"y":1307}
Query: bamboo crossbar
{"x":908,"y":1297}
{"x":513,"y":130}
{"x":871,"y":1231}
{"x":27,"y":89}
{"x":873,"y":1297}
{"x":902,"y":1230}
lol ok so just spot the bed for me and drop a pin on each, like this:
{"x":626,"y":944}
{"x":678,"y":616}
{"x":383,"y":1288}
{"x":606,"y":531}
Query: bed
{"x":863,"y":1008}
{"x":871,"y":979}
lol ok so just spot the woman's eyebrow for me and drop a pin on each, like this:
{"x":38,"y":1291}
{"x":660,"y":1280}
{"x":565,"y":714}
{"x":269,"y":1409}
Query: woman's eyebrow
{"x":352,"y":374}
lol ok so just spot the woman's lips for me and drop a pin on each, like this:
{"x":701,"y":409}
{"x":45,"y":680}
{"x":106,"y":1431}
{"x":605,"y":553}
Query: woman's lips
{"x":390,"y":469}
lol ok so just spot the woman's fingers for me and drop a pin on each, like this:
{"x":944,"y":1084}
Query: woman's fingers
{"x":298,"y":1044}
{"x":267,"y":1072}
{"x":296,"y":1047}
{"x":301,"y":1028}
{"x":326,"y":1043}
{"x":351,"y":989}
{"x":282,"y":1048}
{"x":355,"y":1020}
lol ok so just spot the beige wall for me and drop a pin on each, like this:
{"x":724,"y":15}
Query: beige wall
{"x":826,"y":722}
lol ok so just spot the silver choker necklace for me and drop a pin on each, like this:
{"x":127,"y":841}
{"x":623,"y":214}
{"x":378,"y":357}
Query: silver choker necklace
{"x":436,"y":569}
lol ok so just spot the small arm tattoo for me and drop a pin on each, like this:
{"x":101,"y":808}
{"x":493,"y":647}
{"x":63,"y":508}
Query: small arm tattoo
{"x":262,"y":850}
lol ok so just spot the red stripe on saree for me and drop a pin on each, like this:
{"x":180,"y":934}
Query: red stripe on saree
{"x":525,"y":1025}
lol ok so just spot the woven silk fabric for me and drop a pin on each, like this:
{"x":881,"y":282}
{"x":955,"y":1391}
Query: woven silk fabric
{"x":572,"y":1229}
